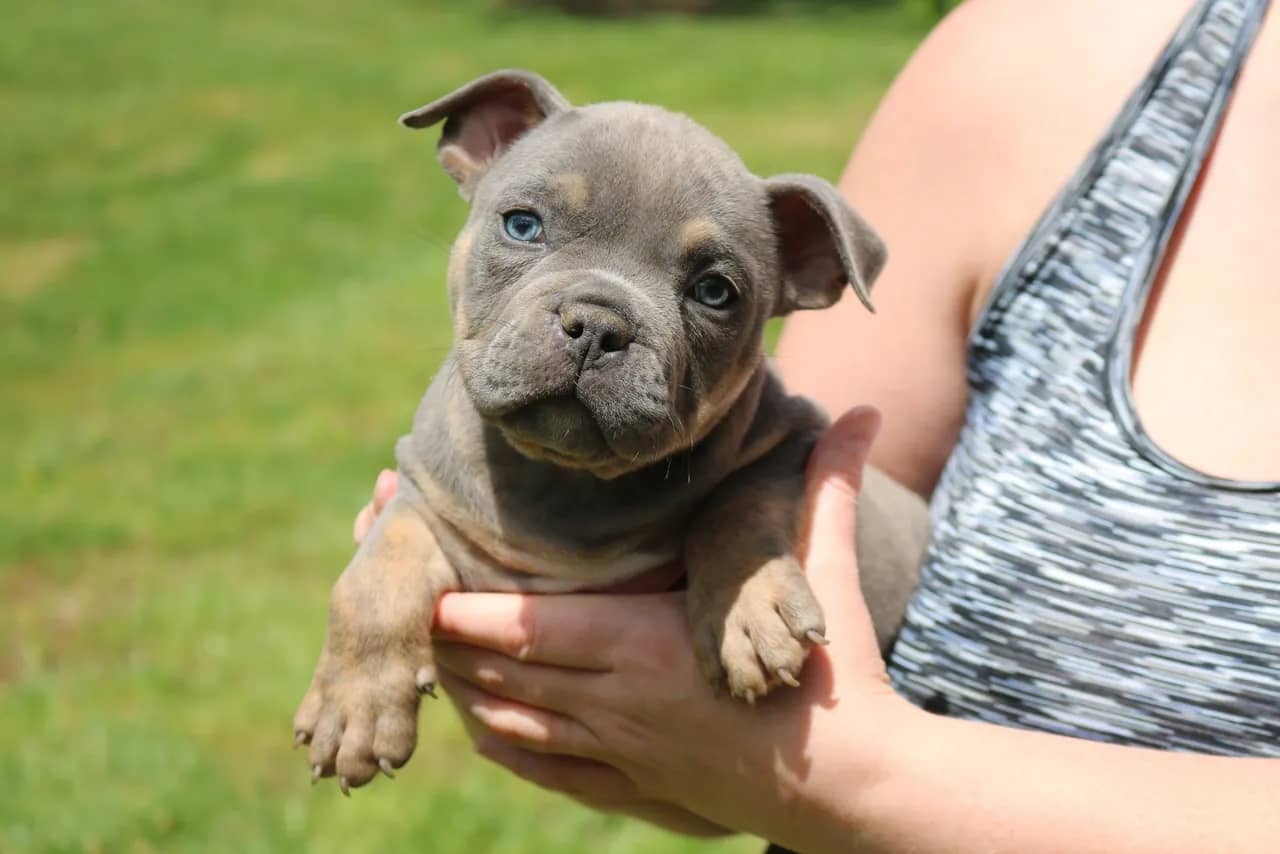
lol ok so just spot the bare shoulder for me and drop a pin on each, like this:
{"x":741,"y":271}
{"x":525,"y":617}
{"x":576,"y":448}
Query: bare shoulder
{"x":990,"y":116}
{"x":984,"y":124}
{"x":1015,"y":56}
{"x":1020,"y":91}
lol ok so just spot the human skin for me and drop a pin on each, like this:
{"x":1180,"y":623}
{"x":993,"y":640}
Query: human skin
{"x":598,"y":696}
{"x":982,"y":128}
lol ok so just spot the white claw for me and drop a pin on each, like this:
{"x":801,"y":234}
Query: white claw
{"x":344,"y":786}
{"x":749,"y":696}
{"x":816,"y":638}
{"x":426,"y":681}
{"x":385,"y":764}
{"x":785,"y":675}
{"x":315,"y":774}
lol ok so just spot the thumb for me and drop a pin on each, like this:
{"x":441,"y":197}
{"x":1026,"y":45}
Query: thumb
{"x":833,"y":479}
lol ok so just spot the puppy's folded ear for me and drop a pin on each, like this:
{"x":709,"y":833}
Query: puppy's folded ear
{"x":822,"y":244}
{"x":483,"y":119}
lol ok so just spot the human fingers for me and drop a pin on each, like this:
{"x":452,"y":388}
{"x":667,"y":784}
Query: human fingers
{"x":834,"y":478}
{"x":520,"y":725}
{"x":586,"y":631}
{"x":384,"y":489}
{"x":560,"y":689}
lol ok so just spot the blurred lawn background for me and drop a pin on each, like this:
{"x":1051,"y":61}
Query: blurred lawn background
{"x":221,"y":295}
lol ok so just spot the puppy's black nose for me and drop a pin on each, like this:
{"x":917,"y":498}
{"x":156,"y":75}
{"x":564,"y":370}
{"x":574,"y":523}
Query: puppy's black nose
{"x":594,"y":330}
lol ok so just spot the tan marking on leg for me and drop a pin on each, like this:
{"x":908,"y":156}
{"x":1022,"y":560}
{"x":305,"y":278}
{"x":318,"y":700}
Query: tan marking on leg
{"x":359,"y":712}
{"x":400,"y":533}
{"x":697,"y":232}
{"x":573,"y":189}
{"x":750,"y":606}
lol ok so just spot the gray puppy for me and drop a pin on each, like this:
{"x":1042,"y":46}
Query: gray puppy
{"x":606,"y":408}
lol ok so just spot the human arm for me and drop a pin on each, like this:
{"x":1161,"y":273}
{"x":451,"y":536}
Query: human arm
{"x":989,"y":118}
{"x":912,"y":170}
{"x":839,"y":764}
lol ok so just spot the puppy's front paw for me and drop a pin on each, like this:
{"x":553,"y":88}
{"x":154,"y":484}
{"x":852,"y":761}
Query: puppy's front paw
{"x":360,"y":716}
{"x":756,"y":635}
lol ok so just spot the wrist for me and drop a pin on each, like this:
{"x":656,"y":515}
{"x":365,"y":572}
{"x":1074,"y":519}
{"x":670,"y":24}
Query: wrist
{"x":831,"y":800}
{"x":673,"y":819}
{"x":882,"y":764}
{"x":889,"y":780}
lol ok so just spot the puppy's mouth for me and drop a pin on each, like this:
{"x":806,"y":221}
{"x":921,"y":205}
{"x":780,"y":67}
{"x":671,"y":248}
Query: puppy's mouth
{"x":560,"y":429}
{"x":608,"y":418}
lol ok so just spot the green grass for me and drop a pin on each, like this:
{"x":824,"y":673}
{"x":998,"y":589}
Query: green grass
{"x":221,"y":294}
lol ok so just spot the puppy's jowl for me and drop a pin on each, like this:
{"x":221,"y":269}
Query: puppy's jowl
{"x":606,"y":407}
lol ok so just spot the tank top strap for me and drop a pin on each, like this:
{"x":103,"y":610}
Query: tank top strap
{"x":1123,"y":204}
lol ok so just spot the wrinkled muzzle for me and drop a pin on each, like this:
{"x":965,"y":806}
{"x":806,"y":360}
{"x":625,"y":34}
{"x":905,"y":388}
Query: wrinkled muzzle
{"x":570,"y":373}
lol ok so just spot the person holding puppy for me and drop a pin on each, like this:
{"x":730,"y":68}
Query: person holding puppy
{"x":1090,"y":661}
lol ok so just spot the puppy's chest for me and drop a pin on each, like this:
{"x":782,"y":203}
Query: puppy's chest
{"x":507,"y":522}
{"x":488,"y":560}
{"x":509,"y":551}
{"x":553,"y":534}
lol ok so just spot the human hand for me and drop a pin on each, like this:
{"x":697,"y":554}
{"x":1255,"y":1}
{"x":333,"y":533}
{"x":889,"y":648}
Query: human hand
{"x":606,"y":798}
{"x":384,"y":489}
{"x":599,"y":695}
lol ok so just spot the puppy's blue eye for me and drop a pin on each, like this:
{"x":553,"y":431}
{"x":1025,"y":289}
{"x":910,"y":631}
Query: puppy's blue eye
{"x":523,"y":226}
{"x":714,"y":291}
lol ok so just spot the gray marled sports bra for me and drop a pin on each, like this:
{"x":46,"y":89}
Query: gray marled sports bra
{"x":1082,"y":581}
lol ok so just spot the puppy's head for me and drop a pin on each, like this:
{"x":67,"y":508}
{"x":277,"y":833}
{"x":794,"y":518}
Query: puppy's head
{"x":612,"y":282}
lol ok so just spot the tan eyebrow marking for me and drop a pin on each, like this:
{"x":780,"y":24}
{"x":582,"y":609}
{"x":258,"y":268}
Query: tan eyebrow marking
{"x":696,"y":232}
{"x":573,"y":189}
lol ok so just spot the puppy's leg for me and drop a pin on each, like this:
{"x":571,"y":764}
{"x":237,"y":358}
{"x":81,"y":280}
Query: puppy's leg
{"x":752,"y":612}
{"x":360,"y":714}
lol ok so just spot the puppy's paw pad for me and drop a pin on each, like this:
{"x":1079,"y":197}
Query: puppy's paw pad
{"x":365,"y":717}
{"x":767,"y":630}
{"x":395,"y":736}
{"x":307,"y":718}
{"x":799,"y":609}
{"x":745,"y":676}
